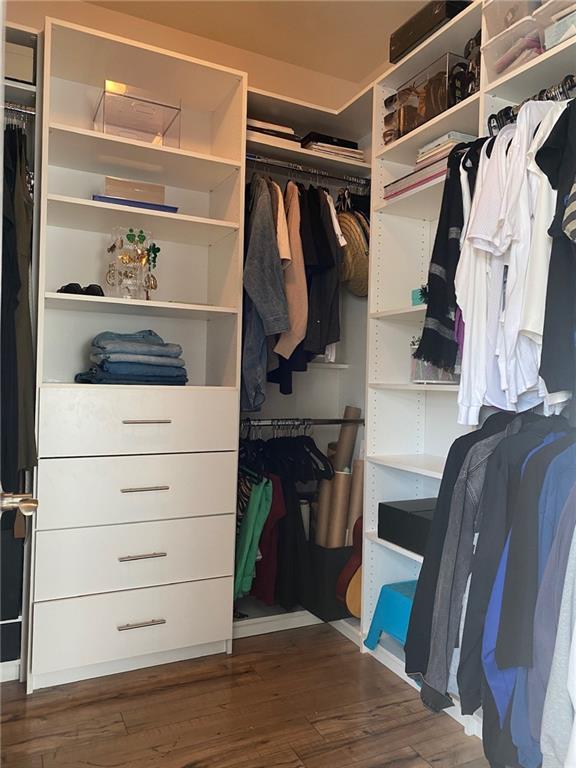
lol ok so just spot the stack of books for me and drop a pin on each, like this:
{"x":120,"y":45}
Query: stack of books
{"x":440,"y":148}
{"x":416,"y":179}
{"x":330,"y":145}
{"x":282,"y":132}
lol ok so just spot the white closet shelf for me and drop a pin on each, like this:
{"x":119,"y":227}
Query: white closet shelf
{"x":270,"y":146}
{"x":375,"y":539}
{"x":94,"y":216}
{"x":421,"y":203}
{"x":134,"y":387}
{"x":416,"y":463}
{"x":329,"y":366}
{"x":547,"y":69}
{"x":352,"y":120}
{"x":410,"y":387}
{"x":461,"y":117}
{"x":19,"y":93}
{"x":115,"y":306}
{"x":402,"y":314}
{"x":105,"y":154}
{"x":450,"y":37}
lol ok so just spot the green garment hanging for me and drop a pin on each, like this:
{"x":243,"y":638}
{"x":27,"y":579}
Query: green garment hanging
{"x":249,"y":537}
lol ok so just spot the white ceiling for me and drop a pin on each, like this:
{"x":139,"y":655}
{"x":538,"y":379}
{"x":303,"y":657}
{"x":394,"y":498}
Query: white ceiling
{"x":343,"y":38}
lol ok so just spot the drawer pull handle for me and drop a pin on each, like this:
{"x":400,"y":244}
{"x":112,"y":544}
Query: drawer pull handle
{"x":146,"y":421}
{"x":146,"y":489}
{"x":147,"y":556}
{"x":141,"y":624}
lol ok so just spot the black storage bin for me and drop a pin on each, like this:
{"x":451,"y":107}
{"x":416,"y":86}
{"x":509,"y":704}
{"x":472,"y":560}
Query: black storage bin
{"x":11,"y":568}
{"x":10,"y":641}
{"x":406,"y":523}
{"x":319,"y":591}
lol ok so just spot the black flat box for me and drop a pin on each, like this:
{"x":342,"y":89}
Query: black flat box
{"x":406,"y":523}
{"x":422,"y":25}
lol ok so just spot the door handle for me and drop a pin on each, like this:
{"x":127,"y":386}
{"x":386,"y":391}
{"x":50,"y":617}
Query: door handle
{"x":146,"y":421}
{"x":141,"y":625}
{"x":145,"y":489}
{"x":21,"y":501}
{"x":147,"y":556}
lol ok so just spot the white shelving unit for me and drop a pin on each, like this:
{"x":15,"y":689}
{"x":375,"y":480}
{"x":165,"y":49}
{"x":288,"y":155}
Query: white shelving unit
{"x":410,"y":427}
{"x":325,"y":388}
{"x":167,"y":443}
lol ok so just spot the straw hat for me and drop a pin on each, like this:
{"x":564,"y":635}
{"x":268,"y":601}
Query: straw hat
{"x":354,"y":265}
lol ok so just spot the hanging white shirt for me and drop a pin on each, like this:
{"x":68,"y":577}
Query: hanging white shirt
{"x":471,"y":297}
{"x":479,"y":282}
{"x":519,"y":357}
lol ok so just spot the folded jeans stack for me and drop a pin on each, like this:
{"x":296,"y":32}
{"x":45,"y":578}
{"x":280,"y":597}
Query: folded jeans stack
{"x":134,"y":358}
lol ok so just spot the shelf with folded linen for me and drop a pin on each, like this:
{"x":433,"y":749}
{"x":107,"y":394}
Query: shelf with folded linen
{"x":207,"y":341}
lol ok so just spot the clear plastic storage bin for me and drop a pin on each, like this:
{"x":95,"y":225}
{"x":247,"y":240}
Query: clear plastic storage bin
{"x":503,"y":14}
{"x":427,"y":95}
{"x":135,"y":114}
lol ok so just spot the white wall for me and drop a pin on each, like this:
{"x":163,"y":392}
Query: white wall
{"x":263,"y":72}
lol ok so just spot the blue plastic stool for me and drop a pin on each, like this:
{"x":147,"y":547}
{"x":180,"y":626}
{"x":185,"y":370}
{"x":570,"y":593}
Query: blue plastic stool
{"x":392,"y":613}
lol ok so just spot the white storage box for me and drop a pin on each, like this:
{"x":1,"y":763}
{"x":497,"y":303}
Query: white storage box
{"x":560,"y":31}
{"x":503,"y":14}
{"x":512,"y":48}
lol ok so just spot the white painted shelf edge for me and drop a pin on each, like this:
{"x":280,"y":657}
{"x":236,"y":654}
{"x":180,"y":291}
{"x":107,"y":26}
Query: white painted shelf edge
{"x":131,"y":306}
{"x":391,"y":314}
{"x":185,"y":154}
{"x":375,"y":539}
{"x":263,"y":625}
{"x":417,"y":463}
{"x":176,"y":217}
{"x":414,"y":387}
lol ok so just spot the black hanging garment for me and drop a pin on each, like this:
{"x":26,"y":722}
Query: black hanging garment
{"x":10,"y":290}
{"x":438,"y":344}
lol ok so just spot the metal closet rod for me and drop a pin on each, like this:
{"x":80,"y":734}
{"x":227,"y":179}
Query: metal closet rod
{"x":297,"y":168}
{"x":17,"y":108}
{"x":298,"y":422}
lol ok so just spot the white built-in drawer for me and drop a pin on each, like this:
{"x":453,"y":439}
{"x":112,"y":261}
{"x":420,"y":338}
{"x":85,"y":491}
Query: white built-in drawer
{"x":83,"y":561}
{"x":88,"y":630}
{"x":125,"y":489}
{"x":107,"y":421}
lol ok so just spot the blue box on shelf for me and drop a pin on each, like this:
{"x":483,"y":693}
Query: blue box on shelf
{"x":392,"y":613}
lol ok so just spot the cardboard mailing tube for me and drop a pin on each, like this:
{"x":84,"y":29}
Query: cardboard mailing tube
{"x":323,"y":512}
{"x":356,"y":498}
{"x":339,"y":503}
{"x":346,"y":439}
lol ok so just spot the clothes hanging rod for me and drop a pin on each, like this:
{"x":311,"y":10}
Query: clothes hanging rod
{"x":18,"y":108}
{"x":558,"y":92}
{"x":297,"y":168}
{"x":298,"y":422}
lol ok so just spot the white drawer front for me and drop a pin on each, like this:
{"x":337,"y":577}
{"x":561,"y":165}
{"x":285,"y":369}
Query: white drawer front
{"x":108,"y":421}
{"x":100,"y":628}
{"x":83,"y":561}
{"x":126,"y":489}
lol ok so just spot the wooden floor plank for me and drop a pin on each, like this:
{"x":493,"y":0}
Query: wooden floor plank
{"x":297,"y":699}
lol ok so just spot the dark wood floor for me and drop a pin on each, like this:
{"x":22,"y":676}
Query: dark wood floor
{"x":299,"y":699}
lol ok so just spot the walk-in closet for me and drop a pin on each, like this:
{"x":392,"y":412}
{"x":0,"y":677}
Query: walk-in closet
{"x":287,"y":362}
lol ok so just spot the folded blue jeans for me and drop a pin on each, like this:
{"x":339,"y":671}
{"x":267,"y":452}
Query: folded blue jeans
{"x":99,"y":356}
{"x":139,"y":343}
{"x":142,"y":369}
{"x":97,"y":376}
